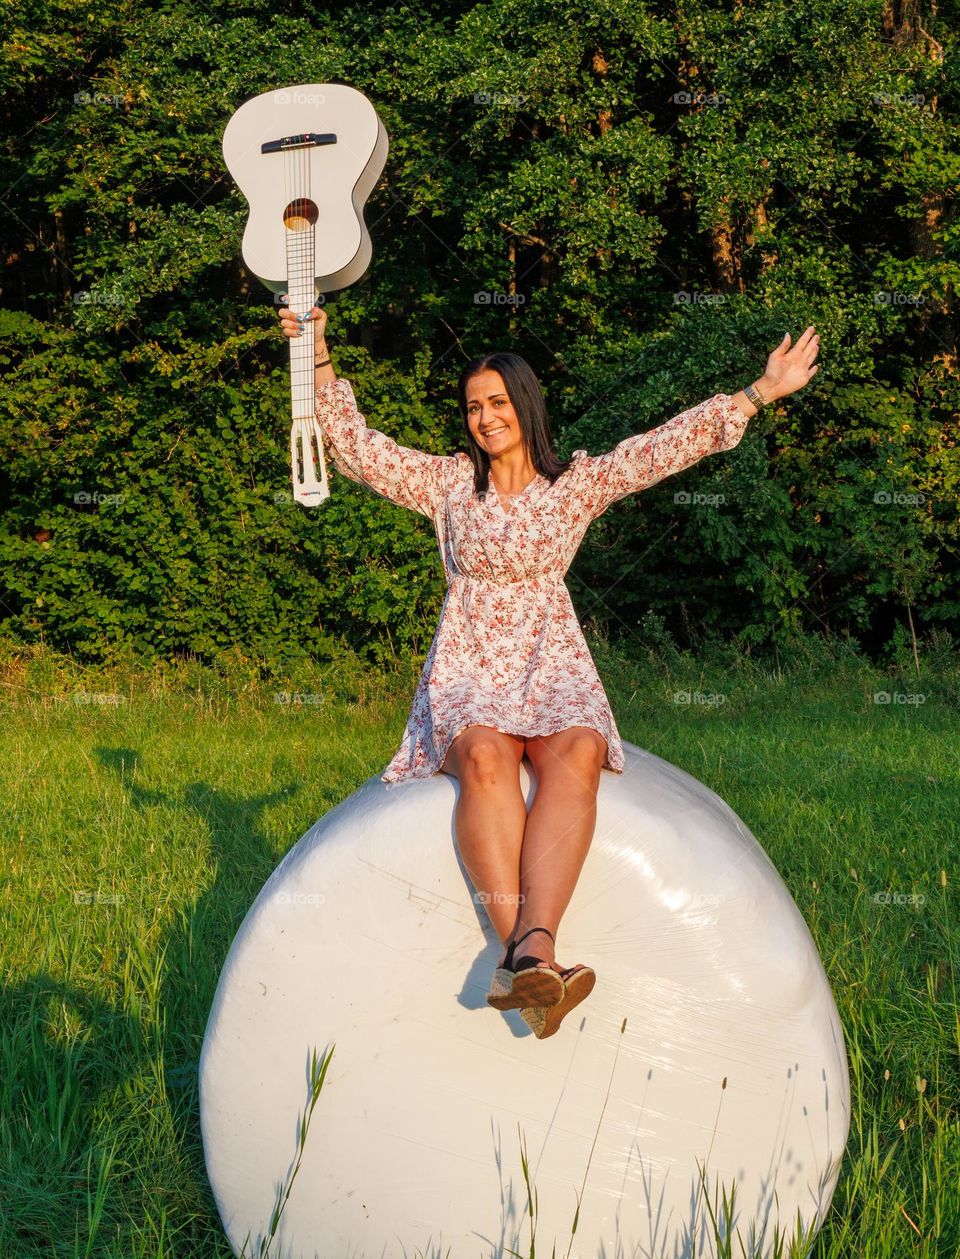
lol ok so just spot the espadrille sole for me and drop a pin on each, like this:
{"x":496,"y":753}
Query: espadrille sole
{"x":544,"y":1021}
{"x":534,"y":986}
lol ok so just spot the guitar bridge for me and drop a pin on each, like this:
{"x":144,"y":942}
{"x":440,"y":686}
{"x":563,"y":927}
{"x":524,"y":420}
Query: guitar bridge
{"x":309,"y":140}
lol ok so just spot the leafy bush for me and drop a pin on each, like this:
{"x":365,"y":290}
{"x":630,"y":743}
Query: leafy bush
{"x":646,"y":215}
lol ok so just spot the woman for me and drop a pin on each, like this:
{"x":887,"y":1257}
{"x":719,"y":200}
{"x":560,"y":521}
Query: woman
{"x":509,"y":673}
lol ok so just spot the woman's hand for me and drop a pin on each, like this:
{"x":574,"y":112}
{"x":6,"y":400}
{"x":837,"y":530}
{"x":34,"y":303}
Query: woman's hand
{"x":292,"y":325}
{"x":787,"y":369}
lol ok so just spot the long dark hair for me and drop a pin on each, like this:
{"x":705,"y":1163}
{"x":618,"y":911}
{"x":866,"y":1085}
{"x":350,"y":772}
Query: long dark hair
{"x":526,"y":398}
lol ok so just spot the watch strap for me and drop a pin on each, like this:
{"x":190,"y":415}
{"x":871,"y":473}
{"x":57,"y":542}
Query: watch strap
{"x":755,"y":396}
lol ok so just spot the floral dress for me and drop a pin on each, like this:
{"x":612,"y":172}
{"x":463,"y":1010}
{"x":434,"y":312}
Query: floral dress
{"x":509,"y":651}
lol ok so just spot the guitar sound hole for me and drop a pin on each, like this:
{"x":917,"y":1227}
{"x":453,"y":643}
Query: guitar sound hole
{"x":300,"y":214}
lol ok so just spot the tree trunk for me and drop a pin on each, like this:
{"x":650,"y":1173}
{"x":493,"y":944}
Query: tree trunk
{"x":61,"y":256}
{"x":600,"y":67}
{"x":726,"y":258}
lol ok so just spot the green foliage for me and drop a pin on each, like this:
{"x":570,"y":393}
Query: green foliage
{"x":660,"y":197}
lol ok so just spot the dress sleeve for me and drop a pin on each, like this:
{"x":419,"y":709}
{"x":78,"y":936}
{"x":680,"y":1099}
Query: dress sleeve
{"x":411,"y":478}
{"x":639,"y":462}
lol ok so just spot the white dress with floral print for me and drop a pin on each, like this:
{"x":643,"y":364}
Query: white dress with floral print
{"x":509,"y":651}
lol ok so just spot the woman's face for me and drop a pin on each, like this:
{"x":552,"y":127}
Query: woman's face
{"x":491,"y":418}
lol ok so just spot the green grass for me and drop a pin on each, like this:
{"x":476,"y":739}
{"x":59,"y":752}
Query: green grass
{"x":139,"y":830}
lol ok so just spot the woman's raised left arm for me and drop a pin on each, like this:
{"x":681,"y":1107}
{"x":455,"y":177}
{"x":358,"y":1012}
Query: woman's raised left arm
{"x":638,"y":462}
{"x":716,"y":424}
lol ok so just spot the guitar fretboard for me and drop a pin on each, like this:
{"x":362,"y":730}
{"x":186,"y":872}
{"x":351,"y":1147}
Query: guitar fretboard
{"x":302,"y":293}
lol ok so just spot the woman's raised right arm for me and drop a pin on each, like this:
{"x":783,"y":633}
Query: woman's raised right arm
{"x":411,"y":478}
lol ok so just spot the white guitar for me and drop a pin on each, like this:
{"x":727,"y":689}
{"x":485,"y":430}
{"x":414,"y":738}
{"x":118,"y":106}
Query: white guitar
{"x":306,"y":158}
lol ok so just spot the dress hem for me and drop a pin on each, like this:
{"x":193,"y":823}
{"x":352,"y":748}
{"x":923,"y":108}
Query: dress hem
{"x":567,"y":725}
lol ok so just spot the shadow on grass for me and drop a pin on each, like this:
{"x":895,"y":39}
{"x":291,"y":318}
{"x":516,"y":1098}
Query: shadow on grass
{"x":54,"y":1074}
{"x":242,"y":857}
{"x":68,"y":1056}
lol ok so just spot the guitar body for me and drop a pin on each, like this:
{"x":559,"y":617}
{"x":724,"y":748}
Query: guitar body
{"x":337,"y":177}
{"x":306,"y":158}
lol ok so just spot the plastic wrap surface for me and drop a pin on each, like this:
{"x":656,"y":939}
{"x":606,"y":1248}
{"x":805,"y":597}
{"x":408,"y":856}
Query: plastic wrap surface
{"x":367,"y":937}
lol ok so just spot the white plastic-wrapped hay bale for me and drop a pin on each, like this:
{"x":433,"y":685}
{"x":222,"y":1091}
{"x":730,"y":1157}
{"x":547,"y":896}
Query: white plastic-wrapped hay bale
{"x":367,"y":937}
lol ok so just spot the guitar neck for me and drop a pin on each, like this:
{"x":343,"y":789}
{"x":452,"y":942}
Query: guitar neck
{"x":301,"y":290}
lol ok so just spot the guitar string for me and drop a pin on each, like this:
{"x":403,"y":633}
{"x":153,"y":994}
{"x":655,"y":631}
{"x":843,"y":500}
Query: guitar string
{"x":311,"y":289}
{"x":300,"y":249}
{"x":297,"y":451}
{"x":297,"y":281}
{"x":298,"y":189}
{"x":309,"y":353}
{"x":300,"y":446}
{"x":306,"y":352}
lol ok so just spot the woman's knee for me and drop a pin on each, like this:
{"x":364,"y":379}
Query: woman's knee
{"x":483,"y":755}
{"x":578,"y":750}
{"x":587,"y":747}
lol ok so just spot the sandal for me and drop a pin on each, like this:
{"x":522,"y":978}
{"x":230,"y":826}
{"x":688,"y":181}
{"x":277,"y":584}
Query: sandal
{"x":530,"y":981}
{"x":578,"y":983}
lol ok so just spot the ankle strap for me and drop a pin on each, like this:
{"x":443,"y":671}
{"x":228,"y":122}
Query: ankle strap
{"x":508,"y":957}
{"x":530,"y":933}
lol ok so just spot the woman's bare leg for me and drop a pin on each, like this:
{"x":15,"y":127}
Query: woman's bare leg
{"x":490,"y":817}
{"x":559,"y":828}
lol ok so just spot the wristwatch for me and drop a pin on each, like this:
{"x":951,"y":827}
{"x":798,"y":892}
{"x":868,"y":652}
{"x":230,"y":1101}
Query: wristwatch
{"x":755,"y":396}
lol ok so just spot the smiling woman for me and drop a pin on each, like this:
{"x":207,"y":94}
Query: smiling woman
{"x":509,"y":673}
{"x":506,"y":424}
